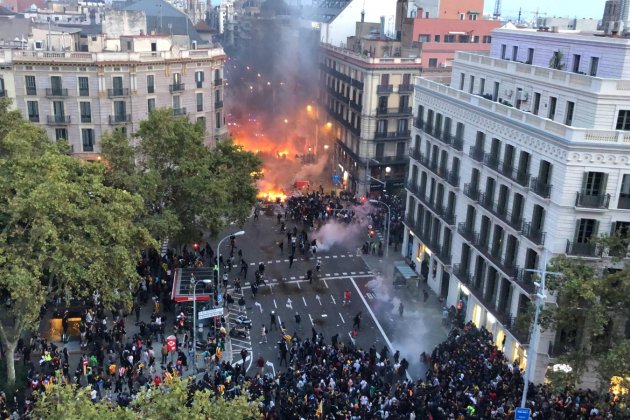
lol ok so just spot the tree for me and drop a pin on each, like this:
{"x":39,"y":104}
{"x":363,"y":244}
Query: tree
{"x":188,"y":189}
{"x":63,"y":233}
{"x":556,"y":60}
{"x":175,"y":398}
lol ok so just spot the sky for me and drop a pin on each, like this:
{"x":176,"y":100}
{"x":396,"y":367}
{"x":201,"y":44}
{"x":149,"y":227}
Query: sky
{"x":564,"y":8}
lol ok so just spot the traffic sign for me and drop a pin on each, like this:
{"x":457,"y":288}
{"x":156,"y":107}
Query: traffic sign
{"x":521,"y":414}
{"x":210,"y":313}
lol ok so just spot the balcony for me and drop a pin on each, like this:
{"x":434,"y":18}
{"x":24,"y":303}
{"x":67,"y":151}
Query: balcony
{"x":394,"y":112}
{"x":405,"y":88}
{"x":471,"y":192}
{"x":584,"y":249}
{"x":218,"y":82}
{"x":56,"y":93}
{"x":446,"y":214}
{"x":179,"y":111}
{"x":540,"y":188}
{"x":3,"y":93}
{"x":476,"y":154}
{"x":31,"y":90}
{"x":58,"y":119}
{"x":34,"y":118}
{"x":119,"y":119}
{"x":117,"y":93}
{"x":501,"y":212}
{"x":467,"y":232}
{"x":393,"y":135}
{"x":384,"y":89}
{"x":525,"y":279}
{"x":592,"y":201}
{"x":537,"y":236}
{"x":84,"y":91}
{"x":442,"y":252}
{"x":218,"y":104}
{"x":508,"y":171}
{"x":176,"y":87}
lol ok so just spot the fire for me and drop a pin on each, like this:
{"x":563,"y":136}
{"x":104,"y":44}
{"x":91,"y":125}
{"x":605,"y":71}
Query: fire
{"x":272,"y":195}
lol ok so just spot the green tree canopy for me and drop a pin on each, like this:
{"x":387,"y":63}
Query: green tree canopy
{"x":63,"y":232}
{"x":188,"y":188}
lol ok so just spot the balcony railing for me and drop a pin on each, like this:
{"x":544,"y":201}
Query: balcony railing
{"x":218,"y":82}
{"x":405,"y":88}
{"x":445,"y":213}
{"x":179,"y":111}
{"x":58,"y":119}
{"x":218,"y":104}
{"x":176,"y":87}
{"x":501,"y":212}
{"x":526,"y":280}
{"x":476,"y":154}
{"x":394,"y":112}
{"x":467,"y":231}
{"x":472,"y":192}
{"x":537,"y":236}
{"x":384,"y":88}
{"x":583,"y":249}
{"x":56,"y":93}
{"x":506,"y":170}
{"x":393,"y":135}
{"x":443,"y":252}
{"x":31,"y":90}
{"x":84,"y":91}
{"x":540,"y":188}
{"x":117,"y":93}
{"x":119,"y":119}
{"x":592,"y":201}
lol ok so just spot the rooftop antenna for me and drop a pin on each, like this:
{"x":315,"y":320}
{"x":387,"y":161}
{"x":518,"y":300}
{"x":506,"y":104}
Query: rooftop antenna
{"x":520,"y":11}
{"x":363,"y":12}
{"x":497,"y":9}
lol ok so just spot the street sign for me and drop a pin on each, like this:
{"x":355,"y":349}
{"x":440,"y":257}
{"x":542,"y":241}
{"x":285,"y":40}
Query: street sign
{"x":219,"y":297}
{"x":171,"y":343}
{"x":210,"y":313}
{"x":521,"y":414}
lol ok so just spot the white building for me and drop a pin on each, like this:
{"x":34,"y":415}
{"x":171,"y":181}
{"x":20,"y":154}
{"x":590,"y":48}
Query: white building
{"x":79,"y":96}
{"x":514,"y":158}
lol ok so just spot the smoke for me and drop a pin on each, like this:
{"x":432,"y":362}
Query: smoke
{"x":339,"y":233}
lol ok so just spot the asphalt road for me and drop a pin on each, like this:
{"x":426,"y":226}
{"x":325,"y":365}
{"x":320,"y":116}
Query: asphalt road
{"x":320,"y":304}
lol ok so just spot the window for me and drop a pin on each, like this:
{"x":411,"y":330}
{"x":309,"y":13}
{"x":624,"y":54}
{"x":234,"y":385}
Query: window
{"x":403,"y":125}
{"x":384,"y":79}
{"x":503,"y":51}
{"x":568,"y":118}
{"x":218,"y":120}
{"x":536,"y":103}
{"x":199,"y":102}
{"x":117,"y":84}
{"x":592,"y":71}
{"x":576,"y":63}
{"x":624,"y":194}
{"x":86,"y":112}
{"x":449,"y":38}
{"x":464,"y":39}
{"x":462,"y":79}
{"x":594,"y":183}
{"x":61,"y":134}
{"x":120,"y":111}
{"x":84,"y":86}
{"x":530,"y":56}
{"x":176,"y":102}
{"x":177,"y":78}
{"x":31,"y":87}
{"x":199,"y":77}
{"x":433,"y":62}
{"x":586,"y":229}
{"x":202,"y":122}
{"x":623,"y":119}
{"x":482,"y":86}
{"x":436,"y":38}
{"x":472,"y":16}
{"x":471,"y":85}
{"x":514,"y":53}
{"x":462,"y":16}
{"x":217,"y":96}
{"x":58,"y":109}
{"x":487,"y":39}
{"x":87,"y":137}
{"x":381,"y":126}
{"x":424,"y":38}
{"x":150,"y":83}
{"x":150,"y":104}
{"x":552,"y":107}
{"x":33,"y":111}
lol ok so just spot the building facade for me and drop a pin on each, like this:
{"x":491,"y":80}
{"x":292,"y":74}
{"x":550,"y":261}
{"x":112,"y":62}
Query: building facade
{"x":79,"y":96}
{"x":527,"y":152}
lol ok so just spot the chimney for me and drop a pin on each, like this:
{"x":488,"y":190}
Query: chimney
{"x":362,"y":16}
{"x":382,"y":25}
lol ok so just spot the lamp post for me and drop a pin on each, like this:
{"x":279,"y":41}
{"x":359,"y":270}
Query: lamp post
{"x":194,"y":284}
{"x":239,"y":233}
{"x":368,"y":176}
{"x":389,"y":218}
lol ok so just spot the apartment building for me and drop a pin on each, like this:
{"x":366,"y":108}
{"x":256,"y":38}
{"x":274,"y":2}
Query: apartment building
{"x":526,"y":152}
{"x":79,"y":96}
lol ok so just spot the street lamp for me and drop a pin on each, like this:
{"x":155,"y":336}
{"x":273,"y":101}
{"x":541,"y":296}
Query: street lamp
{"x":194,"y":284}
{"x":309,"y":108}
{"x":389,"y":218}
{"x":239,"y":233}
{"x":368,"y":176}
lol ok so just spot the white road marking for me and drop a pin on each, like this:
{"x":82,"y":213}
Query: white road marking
{"x":328,"y":274}
{"x":304,"y":299}
{"x":324,"y":315}
{"x":278,"y":261}
{"x":274,"y":304}
{"x":298,"y":285}
{"x":334,"y":256}
{"x":269,"y":262}
{"x":325,"y":284}
{"x":286,"y":260}
{"x":289,"y":304}
{"x":259,"y":306}
{"x":318,"y":299}
{"x":343,"y":256}
{"x":252,"y":263}
{"x":353,"y":273}
{"x":344,"y":274}
{"x":311,"y":318}
{"x":292,"y":278}
{"x":336,"y":274}
{"x":341,"y":316}
{"x":333,"y":299}
{"x":351,"y":337}
{"x":327,"y":257}
{"x":378,"y":325}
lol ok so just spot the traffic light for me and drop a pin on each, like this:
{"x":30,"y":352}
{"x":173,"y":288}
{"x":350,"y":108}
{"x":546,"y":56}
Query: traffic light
{"x":371,"y":232}
{"x":196,"y":246}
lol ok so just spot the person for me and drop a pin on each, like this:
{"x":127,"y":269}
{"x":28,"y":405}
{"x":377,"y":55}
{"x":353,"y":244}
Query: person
{"x":401,"y":309}
{"x":64,"y":326}
{"x":309,"y":276}
{"x":263,"y":334}
{"x":356,"y":323}
{"x":425,"y":295}
{"x":272,"y":321}
{"x":244,"y":355}
{"x":318,"y":266}
{"x":291,"y":258}
{"x":346,"y":297}
{"x":256,"y":212}
{"x":298,"y":319}
{"x":261,"y":268}
{"x":254,"y":288}
{"x":260,"y":364}
{"x":281,"y":246}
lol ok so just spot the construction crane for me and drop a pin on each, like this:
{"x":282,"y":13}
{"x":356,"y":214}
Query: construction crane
{"x":536,"y":13}
{"x":497,"y":9}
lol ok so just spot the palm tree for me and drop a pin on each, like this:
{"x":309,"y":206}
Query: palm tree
{"x":556,"y":61}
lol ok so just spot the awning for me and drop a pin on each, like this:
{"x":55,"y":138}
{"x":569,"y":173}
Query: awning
{"x":182,"y":287}
{"x":403,"y":268}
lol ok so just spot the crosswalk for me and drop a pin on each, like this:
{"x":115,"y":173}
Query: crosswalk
{"x":239,"y":343}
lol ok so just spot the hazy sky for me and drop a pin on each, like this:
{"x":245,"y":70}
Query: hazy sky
{"x":569,"y":8}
